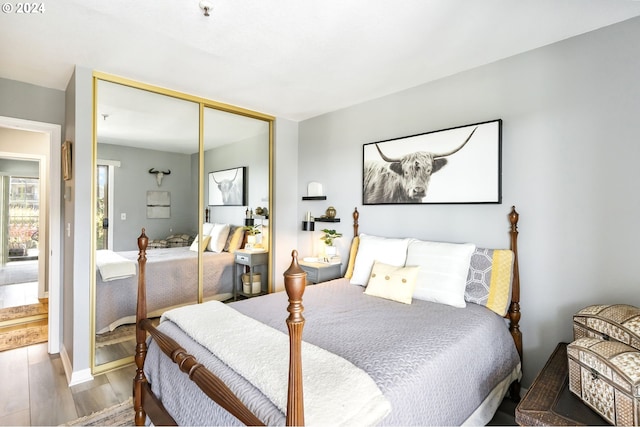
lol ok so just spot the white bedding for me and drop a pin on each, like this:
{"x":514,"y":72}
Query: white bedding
{"x":113,"y":266}
{"x":172,"y":281}
{"x":336,"y":392}
{"x":436,"y":364}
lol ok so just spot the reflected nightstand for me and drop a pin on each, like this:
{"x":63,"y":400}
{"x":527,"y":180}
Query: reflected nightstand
{"x":320,"y":271}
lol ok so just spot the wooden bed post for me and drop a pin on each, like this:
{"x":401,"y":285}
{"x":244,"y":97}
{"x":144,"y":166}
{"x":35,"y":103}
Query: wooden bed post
{"x":141,"y":346}
{"x":514,"y":309}
{"x":356,"y":215}
{"x":294,"y":282}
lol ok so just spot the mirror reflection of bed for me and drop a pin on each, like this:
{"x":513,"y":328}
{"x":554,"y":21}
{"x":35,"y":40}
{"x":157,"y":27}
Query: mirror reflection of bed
{"x":152,"y":167}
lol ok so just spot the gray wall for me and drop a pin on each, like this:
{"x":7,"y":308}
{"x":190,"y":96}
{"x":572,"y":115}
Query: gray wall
{"x":77,"y":226}
{"x":570,"y":128}
{"x":30,"y":102}
{"x":284,"y":221}
{"x":132,"y":199}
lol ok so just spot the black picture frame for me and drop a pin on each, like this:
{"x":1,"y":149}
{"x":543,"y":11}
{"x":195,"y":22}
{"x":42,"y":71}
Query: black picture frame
{"x":228,"y":187}
{"x":468,"y":172}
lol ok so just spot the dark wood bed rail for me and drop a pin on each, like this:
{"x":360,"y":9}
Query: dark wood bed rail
{"x":146,"y":403}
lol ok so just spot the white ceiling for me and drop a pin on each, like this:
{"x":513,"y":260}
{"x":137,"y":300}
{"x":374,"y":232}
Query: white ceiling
{"x":152,"y":121}
{"x":293,"y":59}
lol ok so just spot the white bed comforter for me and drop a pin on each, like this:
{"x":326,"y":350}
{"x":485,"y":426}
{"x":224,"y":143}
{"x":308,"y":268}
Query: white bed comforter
{"x":113,"y":266}
{"x":335,"y":391}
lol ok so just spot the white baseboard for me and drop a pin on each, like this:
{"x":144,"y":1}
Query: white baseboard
{"x":76,"y":377}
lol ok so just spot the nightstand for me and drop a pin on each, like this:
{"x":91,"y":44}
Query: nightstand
{"x":250,"y":260}
{"x":549,"y":402}
{"x":320,"y":271}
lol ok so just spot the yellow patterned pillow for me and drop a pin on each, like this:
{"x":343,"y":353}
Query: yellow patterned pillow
{"x":391,"y":282}
{"x":352,"y":257}
{"x":489,"y":279}
{"x":234,"y":241}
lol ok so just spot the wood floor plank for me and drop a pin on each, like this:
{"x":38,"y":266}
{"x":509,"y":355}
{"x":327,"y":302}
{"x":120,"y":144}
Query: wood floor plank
{"x":40,"y":353}
{"x":121,"y":381}
{"x":14,"y":371}
{"x":94,"y":399}
{"x":20,"y":418}
{"x":51,"y":401}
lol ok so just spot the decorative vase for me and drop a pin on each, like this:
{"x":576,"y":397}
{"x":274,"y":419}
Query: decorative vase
{"x":330,"y":251}
{"x":251,"y":242}
{"x":331,"y":212}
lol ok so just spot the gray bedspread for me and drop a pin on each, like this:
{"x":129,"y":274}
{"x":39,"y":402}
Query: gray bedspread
{"x":172,"y":279}
{"x":435,"y":363}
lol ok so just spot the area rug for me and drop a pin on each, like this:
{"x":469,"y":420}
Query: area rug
{"x":120,"y":334}
{"x":118,"y":415}
{"x":19,"y":272}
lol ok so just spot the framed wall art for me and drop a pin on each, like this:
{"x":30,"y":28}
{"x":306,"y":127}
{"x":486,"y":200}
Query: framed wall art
{"x":66,"y":160}
{"x":455,"y":165}
{"x":158,"y":204}
{"x":228,"y":187}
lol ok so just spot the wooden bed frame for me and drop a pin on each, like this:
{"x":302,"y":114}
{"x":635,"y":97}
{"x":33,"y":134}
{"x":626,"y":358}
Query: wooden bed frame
{"x":146,"y":403}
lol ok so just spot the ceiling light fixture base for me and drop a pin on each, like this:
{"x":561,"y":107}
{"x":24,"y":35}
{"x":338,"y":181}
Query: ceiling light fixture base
{"x":206,"y":6}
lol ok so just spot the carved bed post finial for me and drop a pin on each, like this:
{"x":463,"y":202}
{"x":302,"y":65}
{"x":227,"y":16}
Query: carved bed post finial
{"x":356,"y":215}
{"x":514,"y":309}
{"x":294,"y":282}
{"x":141,"y":346}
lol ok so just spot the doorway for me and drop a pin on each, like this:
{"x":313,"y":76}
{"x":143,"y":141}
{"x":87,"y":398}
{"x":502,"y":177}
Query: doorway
{"x":19,"y":231}
{"x":39,"y":143}
{"x":23,"y":302}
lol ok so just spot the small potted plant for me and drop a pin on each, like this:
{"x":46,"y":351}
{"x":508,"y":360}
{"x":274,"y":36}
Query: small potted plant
{"x":328,"y":238}
{"x":252,"y":231}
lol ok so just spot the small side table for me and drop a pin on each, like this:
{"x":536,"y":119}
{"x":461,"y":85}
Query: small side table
{"x":320,"y":271}
{"x":249,"y":259}
{"x":549,"y":402}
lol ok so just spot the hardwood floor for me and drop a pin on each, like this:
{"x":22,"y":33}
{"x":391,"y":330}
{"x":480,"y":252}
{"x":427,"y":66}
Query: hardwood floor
{"x":34,"y":390}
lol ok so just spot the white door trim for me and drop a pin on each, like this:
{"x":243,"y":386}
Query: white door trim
{"x":55,"y":249}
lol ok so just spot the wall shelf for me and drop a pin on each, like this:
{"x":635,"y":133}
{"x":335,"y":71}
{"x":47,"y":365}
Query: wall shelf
{"x":314,"y":197}
{"x":327,"y":219}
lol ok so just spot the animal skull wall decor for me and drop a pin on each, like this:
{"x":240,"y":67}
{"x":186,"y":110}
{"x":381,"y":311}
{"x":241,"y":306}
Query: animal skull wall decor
{"x":159,"y":175}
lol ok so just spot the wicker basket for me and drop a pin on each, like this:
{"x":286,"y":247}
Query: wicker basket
{"x":251,"y":288}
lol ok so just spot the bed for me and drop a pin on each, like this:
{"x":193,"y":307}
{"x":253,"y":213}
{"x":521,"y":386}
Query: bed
{"x":386,"y":370}
{"x":172,"y":280}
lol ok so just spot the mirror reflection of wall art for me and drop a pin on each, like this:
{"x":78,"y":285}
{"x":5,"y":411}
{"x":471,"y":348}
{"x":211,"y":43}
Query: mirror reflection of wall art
{"x":158,"y":204}
{"x":456,"y":165}
{"x":228,"y":187}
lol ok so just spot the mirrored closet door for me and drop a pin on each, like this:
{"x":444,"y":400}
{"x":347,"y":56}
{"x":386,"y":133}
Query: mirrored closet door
{"x":156,"y":155}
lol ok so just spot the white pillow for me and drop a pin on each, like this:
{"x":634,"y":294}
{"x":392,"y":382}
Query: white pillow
{"x":206,"y":228}
{"x":372,"y":248}
{"x":443,"y":270}
{"x":195,"y":244}
{"x":393,"y":283}
{"x":218,"y":235}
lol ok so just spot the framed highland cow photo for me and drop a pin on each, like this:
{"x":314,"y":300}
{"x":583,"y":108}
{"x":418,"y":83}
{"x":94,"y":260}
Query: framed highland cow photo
{"x":228,"y":187}
{"x":455,"y":165}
